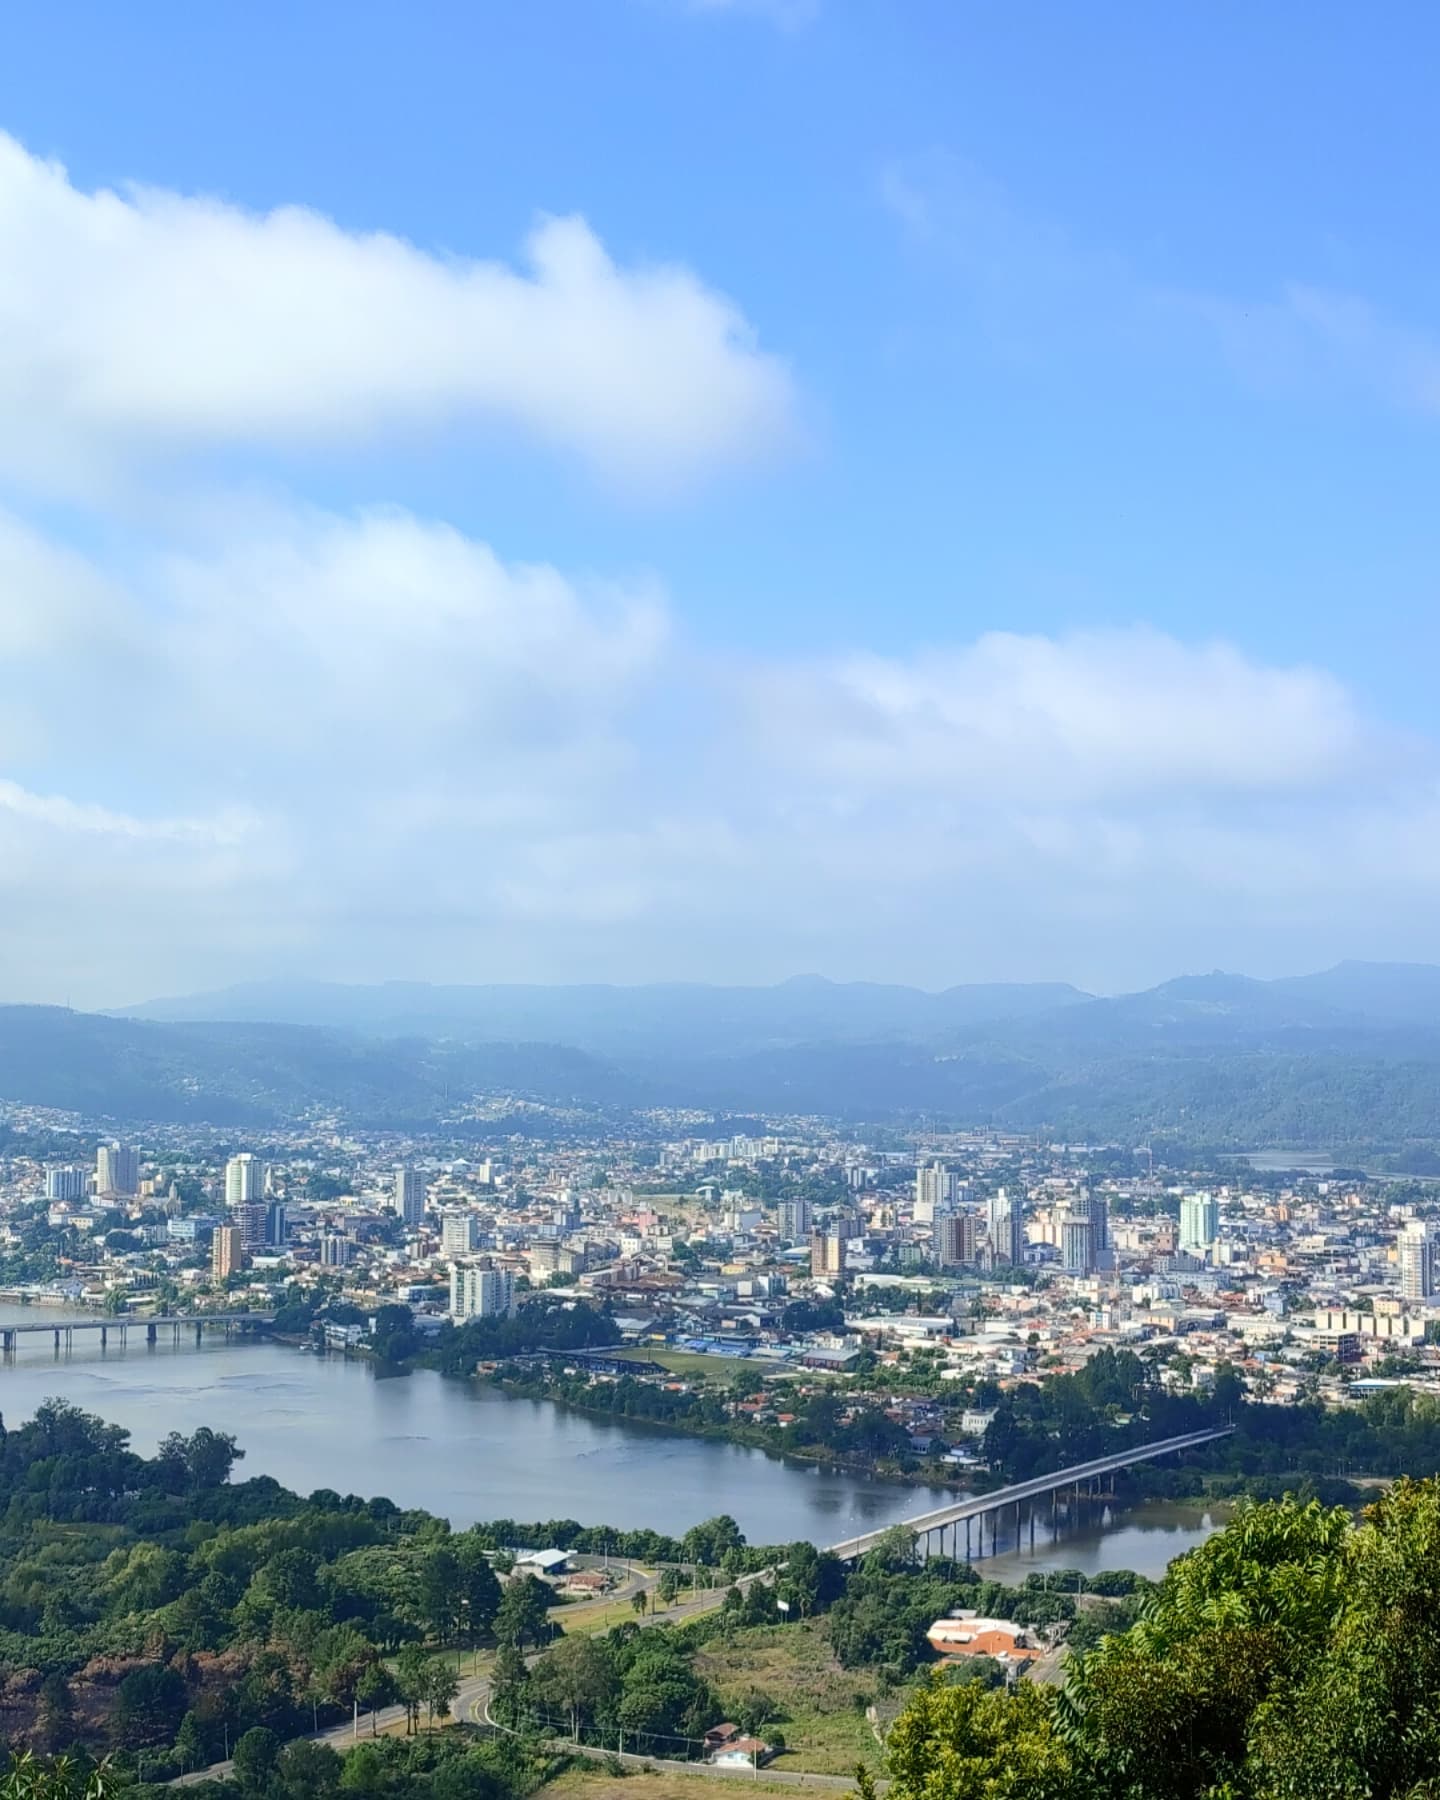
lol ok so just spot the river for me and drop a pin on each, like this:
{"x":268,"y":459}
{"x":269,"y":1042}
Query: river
{"x":468,"y":1452}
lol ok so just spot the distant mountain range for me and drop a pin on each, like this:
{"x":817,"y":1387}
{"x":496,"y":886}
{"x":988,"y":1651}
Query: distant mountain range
{"x":655,"y":1019}
{"x":1347,"y":1056}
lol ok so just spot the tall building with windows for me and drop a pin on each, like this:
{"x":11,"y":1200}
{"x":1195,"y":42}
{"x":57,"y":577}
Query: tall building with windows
{"x":1199,"y":1222}
{"x":792,"y":1219}
{"x":250,"y":1220}
{"x":1077,"y":1244}
{"x":334,"y":1250}
{"x":244,"y":1180}
{"x":277,"y":1224}
{"x":480,"y":1293}
{"x":459,"y":1233}
{"x":934,"y":1192}
{"x":827,"y":1255}
{"x":955,"y":1240}
{"x":1007,"y":1227}
{"x":117,"y":1169}
{"x":409,"y":1198}
{"x":1416,"y":1246}
{"x":65,"y":1184}
{"x":227,"y":1252}
{"x":1097,"y":1210}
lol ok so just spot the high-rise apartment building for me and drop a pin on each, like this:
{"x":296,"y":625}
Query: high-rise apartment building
{"x":334,"y":1250}
{"x":1077,"y":1244}
{"x":1007,"y":1227}
{"x":244,"y":1180}
{"x":65,"y":1184}
{"x":792,"y":1219}
{"x":481,"y":1293}
{"x":459,"y":1233}
{"x":934,"y":1192}
{"x":1097,"y":1210}
{"x":409,"y":1198}
{"x":956,"y":1240}
{"x":227,"y":1252}
{"x":277,"y":1224}
{"x":1199,"y":1222}
{"x":117,"y":1169}
{"x":251,"y":1220}
{"x":827,"y":1255}
{"x":1416,"y":1246}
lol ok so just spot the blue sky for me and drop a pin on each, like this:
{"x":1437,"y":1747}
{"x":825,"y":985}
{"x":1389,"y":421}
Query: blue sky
{"x":926,"y":492}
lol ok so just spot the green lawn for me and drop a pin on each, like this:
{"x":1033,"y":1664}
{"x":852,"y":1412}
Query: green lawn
{"x":693,"y":1365}
{"x":821,"y":1706}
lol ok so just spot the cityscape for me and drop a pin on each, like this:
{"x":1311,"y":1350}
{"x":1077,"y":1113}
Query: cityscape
{"x":719,"y":901}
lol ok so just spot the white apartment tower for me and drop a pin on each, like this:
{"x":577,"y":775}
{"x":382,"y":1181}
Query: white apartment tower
{"x":1199,"y":1222}
{"x":1416,"y":1245}
{"x":117,"y":1169}
{"x":934,"y":1192}
{"x":1077,"y":1244}
{"x":409,"y":1200}
{"x":459,"y":1233}
{"x":244,"y":1180}
{"x":65,"y":1184}
{"x":1007,"y":1227}
{"x":479,"y":1293}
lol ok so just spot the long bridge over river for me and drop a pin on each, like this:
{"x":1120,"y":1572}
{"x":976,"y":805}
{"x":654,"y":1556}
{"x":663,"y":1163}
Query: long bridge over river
{"x":982,"y":1506}
{"x":175,"y":1323}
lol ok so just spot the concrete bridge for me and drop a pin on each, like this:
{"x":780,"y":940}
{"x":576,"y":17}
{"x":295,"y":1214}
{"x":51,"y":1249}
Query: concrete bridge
{"x":982,"y":1506}
{"x":176,"y":1324}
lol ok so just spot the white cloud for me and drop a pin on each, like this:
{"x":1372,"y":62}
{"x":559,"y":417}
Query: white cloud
{"x":149,"y":323}
{"x":1012,"y":719}
{"x":365,"y":745}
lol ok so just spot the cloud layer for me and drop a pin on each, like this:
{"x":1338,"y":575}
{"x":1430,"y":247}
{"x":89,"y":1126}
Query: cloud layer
{"x":364,"y":744}
{"x":149,"y":323}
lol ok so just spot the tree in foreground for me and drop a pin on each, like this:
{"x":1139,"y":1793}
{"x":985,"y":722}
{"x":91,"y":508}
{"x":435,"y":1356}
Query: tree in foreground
{"x":1293,"y":1656}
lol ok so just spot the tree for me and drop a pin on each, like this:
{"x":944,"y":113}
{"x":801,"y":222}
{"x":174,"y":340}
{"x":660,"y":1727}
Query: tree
{"x":669,"y":1584}
{"x":509,"y":1684}
{"x":411,"y":1673}
{"x":55,"y":1720}
{"x":375,"y":1689}
{"x":190,"y":1744}
{"x":442,"y":1684}
{"x":255,"y":1756}
{"x":203,"y":1460}
{"x":31,"y":1777}
{"x":305,"y":1770}
{"x":972,"y":1743}
{"x":523,"y":1616}
{"x":149,"y":1704}
{"x":575,"y":1677}
{"x":640,"y":1601}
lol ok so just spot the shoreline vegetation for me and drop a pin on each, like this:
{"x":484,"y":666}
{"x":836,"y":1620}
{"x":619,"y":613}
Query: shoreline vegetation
{"x":159,"y":1614}
{"x":1037,"y":1424}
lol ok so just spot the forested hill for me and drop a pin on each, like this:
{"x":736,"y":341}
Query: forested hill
{"x":1350,"y":1057}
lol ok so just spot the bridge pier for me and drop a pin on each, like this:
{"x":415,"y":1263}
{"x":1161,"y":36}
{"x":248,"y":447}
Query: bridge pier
{"x":151,"y":1333}
{"x":199,"y":1331}
{"x":8,"y":1338}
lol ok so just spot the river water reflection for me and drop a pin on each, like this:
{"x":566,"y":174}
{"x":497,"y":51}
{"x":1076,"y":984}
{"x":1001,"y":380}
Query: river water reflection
{"x":468,"y":1452}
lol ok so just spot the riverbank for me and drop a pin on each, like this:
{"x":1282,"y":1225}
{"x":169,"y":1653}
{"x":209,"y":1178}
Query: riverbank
{"x":928,"y":1475}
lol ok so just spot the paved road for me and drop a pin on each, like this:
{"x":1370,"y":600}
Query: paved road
{"x":470,"y":1703}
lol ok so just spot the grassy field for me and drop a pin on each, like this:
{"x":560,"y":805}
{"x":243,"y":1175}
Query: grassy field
{"x":820,"y":1706}
{"x":695,"y":1366}
{"x":596,"y":1784}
